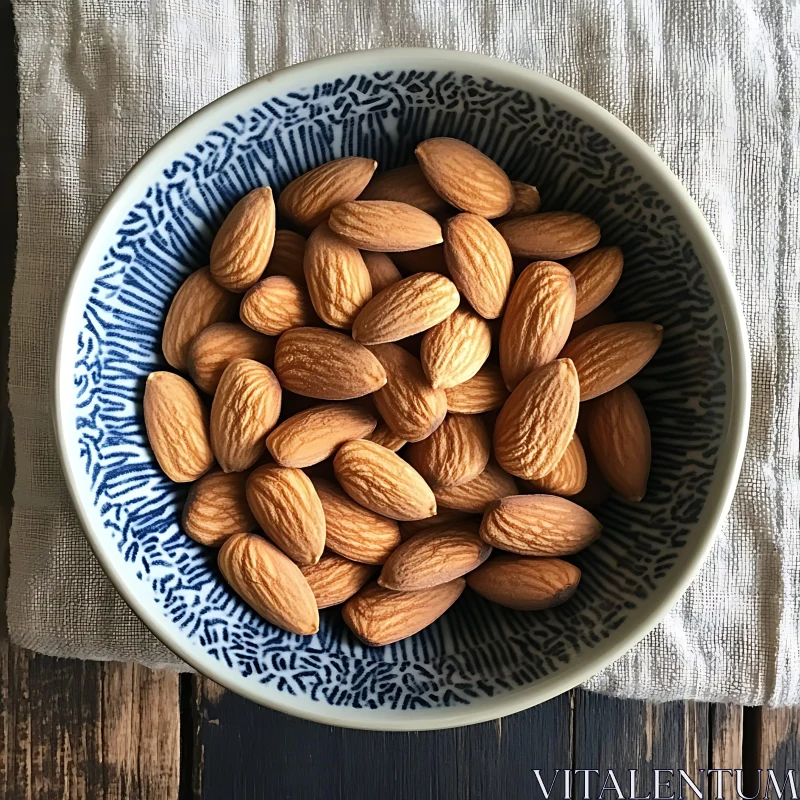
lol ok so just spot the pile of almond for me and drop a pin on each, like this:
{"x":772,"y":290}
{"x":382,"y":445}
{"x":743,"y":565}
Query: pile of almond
{"x":433,"y":313}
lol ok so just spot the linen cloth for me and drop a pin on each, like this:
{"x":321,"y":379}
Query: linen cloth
{"x":712,"y":85}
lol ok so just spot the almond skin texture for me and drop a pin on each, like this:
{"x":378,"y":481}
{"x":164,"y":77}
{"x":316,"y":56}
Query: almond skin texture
{"x":552,"y":235}
{"x":353,"y":531}
{"x":216,"y":508}
{"x":602,"y":315}
{"x":526,"y":200}
{"x":410,"y":306}
{"x":386,"y":437}
{"x":246,"y":407}
{"x":382,"y":271}
{"x":337,"y":278}
{"x":216,"y":346}
{"x":244,"y":242}
{"x":287,"y":256}
{"x":608,"y":356}
{"x":455,"y":453}
{"x":334,"y":579}
{"x":409,"y":405}
{"x":480,"y":263}
{"x":316,"y":433}
{"x":433,"y":557}
{"x":177,"y":427}
{"x":428,"y":259}
{"x":269,"y":583}
{"x":537,"y":321}
{"x":380,"y":480}
{"x":619,"y":435}
{"x":525,"y":584}
{"x":199,"y":302}
{"x":384,"y":226}
{"x":536,"y":424}
{"x":379,"y":616}
{"x":285,"y":504}
{"x":485,"y":391}
{"x":539,"y":525}
{"x":454,"y":350}
{"x":276,"y":304}
{"x":328,"y":365}
{"x":473,"y":497}
{"x":308,"y":200}
{"x":444,"y":517}
{"x":405,"y":185}
{"x":596,"y":274}
{"x":465,"y":177}
{"x":569,"y":476}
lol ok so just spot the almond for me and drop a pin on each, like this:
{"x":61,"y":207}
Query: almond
{"x":526,"y":200}
{"x":409,"y":405}
{"x":353,"y":531}
{"x":485,"y":391}
{"x":334,"y":579}
{"x":216,"y":346}
{"x":620,"y":439}
{"x":596,"y":491}
{"x":380,"y":480}
{"x":216,"y":508}
{"x":382,"y":271}
{"x":276,"y":304}
{"x":269,"y":583}
{"x":444,"y":517}
{"x":569,"y":476}
{"x":405,"y":185}
{"x":454,"y":350}
{"x":199,"y":302}
{"x":246,"y":406}
{"x":386,"y":437}
{"x":384,"y":226}
{"x":315,"y":362}
{"x":473,"y":497}
{"x":480,"y":263}
{"x":465,"y":177}
{"x":410,"y":306}
{"x":177,"y":426}
{"x":608,"y":356}
{"x":433,"y":557}
{"x":287,"y":256}
{"x":596,"y":274}
{"x":381,"y":616}
{"x":552,"y":235}
{"x":427,"y":259}
{"x":536,"y":424}
{"x":455,"y":453}
{"x":308,"y":200}
{"x":537,"y":321}
{"x":285,"y":504}
{"x":243,"y":243}
{"x":525,"y":584}
{"x":602,"y":315}
{"x":316,"y":433}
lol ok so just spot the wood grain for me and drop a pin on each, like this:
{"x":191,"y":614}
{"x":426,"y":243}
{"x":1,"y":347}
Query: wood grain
{"x":779,"y":745}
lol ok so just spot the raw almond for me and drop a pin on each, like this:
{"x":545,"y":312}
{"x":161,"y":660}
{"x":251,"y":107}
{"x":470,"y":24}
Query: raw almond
{"x":177,"y":426}
{"x":485,"y":391}
{"x":596,"y":274}
{"x":473,"y":497}
{"x":269,"y":583}
{"x":384,"y":226}
{"x":328,"y":365}
{"x":244,"y":242}
{"x":410,"y":306}
{"x":353,"y":531}
{"x":620,"y":440}
{"x":526,"y":200}
{"x":308,"y":200}
{"x":444,"y":517}
{"x":405,"y":185}
{"x":608,"y":356}
{"x":569,"y":476}
{"x":465,"y":177}
{"x":334,"y":579}
{"x":285,"y":504}
{"x":246,"y":407}
{"x":199,"y":302}
{"x":525,"y":584}
{"x":409,"y":405}
{"x":538,"y":319}
{"x":428,"y":259}
{"x":596,"y":491}
{"x":454,"y":350}
{"x":602,"y":315}
{"x":380,"y":480}
{"x":433,"y":557}
{"x":382,"y":271}
{"x":337,"y":278}
{"x":381,"y":616}
{"x":536,"y":424}
{"x":287,"y":256}
{"x":276,"y":304}
{"x":455,"y":453}
{"x":216,"y":508}
{"x":480,"y":263}
{"x":386,"y":437}
{"x":552,"y":235}
{"x":216,"y":346}
{"x":316,"y":433}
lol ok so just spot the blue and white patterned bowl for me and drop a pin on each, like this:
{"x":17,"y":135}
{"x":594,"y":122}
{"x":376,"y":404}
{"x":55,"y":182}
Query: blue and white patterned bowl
{"x":479,"y":661}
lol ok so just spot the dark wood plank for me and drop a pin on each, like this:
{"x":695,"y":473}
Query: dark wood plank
{"x":778,"y":747}
{"x":726,"y":736}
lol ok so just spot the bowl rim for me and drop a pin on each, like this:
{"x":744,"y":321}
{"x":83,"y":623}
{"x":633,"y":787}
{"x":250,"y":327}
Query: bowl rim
{"x":708,"y":251}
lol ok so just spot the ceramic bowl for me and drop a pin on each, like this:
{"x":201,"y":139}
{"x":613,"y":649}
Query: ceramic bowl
{"x":479,"y":661}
